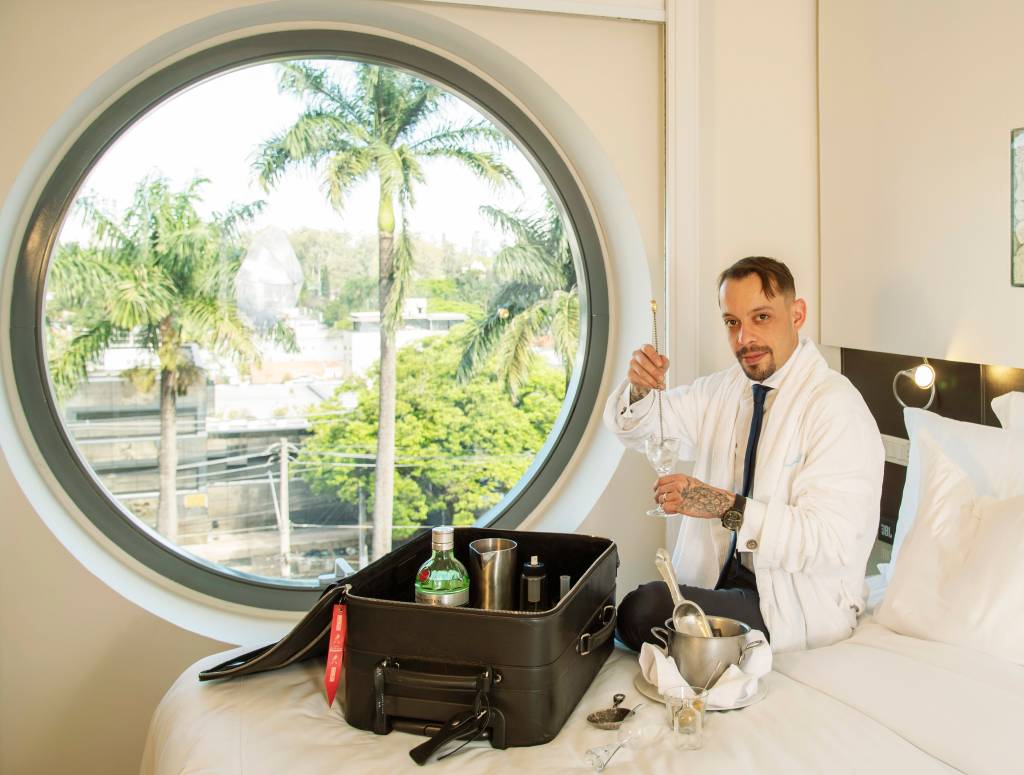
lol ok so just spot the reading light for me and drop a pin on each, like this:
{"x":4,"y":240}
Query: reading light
{"x":923,"y":376}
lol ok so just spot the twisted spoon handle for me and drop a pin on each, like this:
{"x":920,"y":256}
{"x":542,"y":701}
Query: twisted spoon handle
{"x":654,"y":339}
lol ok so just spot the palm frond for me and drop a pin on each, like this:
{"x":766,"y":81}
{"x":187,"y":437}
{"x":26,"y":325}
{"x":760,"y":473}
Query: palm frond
{"x":513,"y":298}
{"x":520,"y":227}
{"x":389,"y":167}
{"x":69,"y":367}
{"x":401,"y":279}
{"x":479,"y":133}
{"x":528,"y":263}
{"x":106,"y":231}
{"x":515,"y":350}
{"x":478,"y":341}
{"x":237,"y":214}
{"x":485,"y":165}
{"x":422,"y":100}
{"x":218,"y":327}
{"x":307,"y":81}
{"x":565,"y":326}
{"x":313,"y":136}
{"x":78,"y":277}
{"x":412,"y":173}
{"x":215,"y":276}
{"x":344,"y":170}
{"x":283,"y":335}
{"x":141,"y":295}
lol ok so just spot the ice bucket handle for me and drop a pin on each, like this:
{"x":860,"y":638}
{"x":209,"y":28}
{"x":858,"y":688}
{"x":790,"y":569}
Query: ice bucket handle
{"x":746,"y":649}
{"x":664,"y":636}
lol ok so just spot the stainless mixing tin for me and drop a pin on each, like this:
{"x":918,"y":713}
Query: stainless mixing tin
{"x":493,"y":573}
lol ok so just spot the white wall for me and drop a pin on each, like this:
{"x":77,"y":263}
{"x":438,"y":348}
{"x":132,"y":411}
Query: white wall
{"x":758,"y":151}
{"x":756,"y":163}
{"x":82,"y":668}
{"x":917,"y":102}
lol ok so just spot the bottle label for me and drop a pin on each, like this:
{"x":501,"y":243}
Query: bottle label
{"x":335,"y":652}
{"x":461,"y":597}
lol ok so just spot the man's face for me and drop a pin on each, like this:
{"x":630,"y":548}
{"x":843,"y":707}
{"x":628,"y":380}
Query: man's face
{"x":763,"y":332}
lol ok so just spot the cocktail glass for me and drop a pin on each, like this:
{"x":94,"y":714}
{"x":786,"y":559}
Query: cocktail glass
{"x":662,"y":453}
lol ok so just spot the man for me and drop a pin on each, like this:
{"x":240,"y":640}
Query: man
{"x":781,"y":511}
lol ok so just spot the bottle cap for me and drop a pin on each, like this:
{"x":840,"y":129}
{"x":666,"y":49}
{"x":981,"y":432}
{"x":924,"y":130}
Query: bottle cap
{"x":534,"y":568}
{"x":442,"y":538}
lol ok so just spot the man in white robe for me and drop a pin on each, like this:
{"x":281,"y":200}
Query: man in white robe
{"x":783,"y":506}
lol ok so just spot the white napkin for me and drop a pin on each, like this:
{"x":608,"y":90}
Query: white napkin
{"x":1009,"y":408}
{"x":736,"y":684}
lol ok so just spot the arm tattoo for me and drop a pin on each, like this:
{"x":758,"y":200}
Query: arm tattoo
{"x":699,"y":498}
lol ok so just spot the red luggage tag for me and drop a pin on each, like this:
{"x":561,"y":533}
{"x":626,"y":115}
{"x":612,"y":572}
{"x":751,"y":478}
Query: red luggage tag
{"x":335,"y":652}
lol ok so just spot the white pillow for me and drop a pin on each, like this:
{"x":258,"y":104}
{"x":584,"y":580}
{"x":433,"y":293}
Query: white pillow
{"x":992,"y":458}
{"x":960,"y":579}
{"x":1009,"y":408}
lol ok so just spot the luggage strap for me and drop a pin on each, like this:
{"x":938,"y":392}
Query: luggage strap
{"x":592,"y":641}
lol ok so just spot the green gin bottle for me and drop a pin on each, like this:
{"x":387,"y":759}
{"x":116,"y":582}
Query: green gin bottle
{"x":442,"y":580}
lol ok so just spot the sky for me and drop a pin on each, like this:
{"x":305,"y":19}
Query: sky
{"x":213,"y":129}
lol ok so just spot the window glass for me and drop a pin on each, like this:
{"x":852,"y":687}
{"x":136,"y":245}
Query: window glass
{"x":303,"y":309}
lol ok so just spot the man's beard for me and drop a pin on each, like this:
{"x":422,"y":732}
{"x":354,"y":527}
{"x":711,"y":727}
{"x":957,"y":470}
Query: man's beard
{"x":761,"y":370}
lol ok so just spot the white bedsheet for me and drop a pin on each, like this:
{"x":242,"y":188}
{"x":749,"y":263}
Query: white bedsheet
{"x":961,"y":706}
{"x":877,"y":703}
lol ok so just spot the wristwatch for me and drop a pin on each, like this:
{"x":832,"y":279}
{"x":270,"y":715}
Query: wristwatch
{"x":732,"y":519}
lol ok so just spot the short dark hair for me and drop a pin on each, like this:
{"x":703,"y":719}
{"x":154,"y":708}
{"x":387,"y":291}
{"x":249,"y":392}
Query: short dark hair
{"x":774,"y":275}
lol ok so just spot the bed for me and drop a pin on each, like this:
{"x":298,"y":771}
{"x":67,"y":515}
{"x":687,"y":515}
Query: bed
{"x":935,"y":699}
{"x":879,"y":702}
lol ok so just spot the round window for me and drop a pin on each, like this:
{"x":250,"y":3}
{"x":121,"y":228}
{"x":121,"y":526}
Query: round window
{"x":298,"y":297}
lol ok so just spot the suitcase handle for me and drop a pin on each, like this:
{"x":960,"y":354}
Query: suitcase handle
{"x":395,"y":675}
{"x":592,"y":641}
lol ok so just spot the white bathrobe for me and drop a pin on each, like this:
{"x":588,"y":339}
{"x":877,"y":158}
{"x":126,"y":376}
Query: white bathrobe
{"x":812,"y":515}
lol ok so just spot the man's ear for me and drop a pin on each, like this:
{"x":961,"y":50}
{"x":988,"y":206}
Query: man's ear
{"x":799,"y":313}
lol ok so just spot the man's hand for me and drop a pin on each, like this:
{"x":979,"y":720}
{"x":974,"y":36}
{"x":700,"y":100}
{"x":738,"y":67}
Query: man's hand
{"x":646,"y":372}
{"x":682,"y":494}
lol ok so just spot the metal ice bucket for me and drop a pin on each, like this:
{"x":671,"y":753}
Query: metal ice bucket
{"x":697,"y":657}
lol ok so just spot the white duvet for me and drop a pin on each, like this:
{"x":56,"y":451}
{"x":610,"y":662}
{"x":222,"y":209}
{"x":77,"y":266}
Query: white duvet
{"x":876,"y":703}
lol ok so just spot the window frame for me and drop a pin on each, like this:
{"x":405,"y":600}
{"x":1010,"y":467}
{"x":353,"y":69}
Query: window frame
{"x":27,"y":332}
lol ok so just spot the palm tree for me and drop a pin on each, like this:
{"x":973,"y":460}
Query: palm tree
{"x":383,"y":127}
{"x":164,"y":275}
{"x":538,"y":295}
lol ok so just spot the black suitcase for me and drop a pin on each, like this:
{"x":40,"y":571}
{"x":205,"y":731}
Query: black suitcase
{"x":416,"y":667}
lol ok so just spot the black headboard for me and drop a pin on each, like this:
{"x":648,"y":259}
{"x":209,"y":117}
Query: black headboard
{"x":963,"y":391}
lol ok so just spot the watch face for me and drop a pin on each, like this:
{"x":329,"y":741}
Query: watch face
{"x":732,"y":519}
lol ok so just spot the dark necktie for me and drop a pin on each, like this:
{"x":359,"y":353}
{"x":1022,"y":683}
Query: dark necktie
{"x":749,"y":462}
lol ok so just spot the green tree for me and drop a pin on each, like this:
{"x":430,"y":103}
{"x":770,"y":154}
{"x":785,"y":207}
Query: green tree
{"x":354,"y":294}
{"x":329,"y":259}
{"x":460,"y":447}
{"x":383,"y":128}
{"x":162,"y":274}
{"x":538,"y":295}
